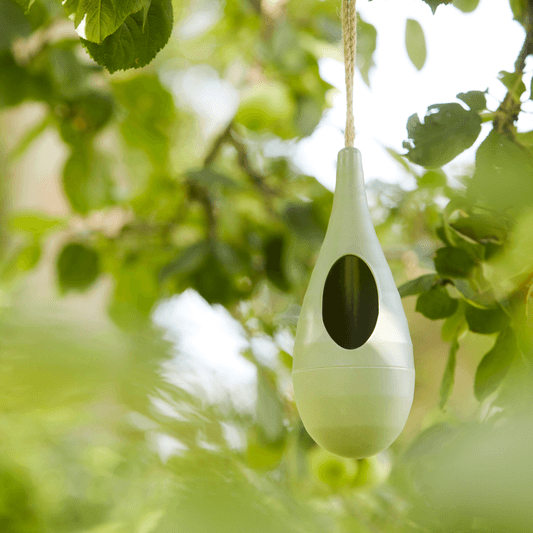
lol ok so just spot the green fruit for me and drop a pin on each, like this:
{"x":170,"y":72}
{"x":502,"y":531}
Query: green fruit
{"x":371,"y":472}
{"x":332,"y":470}
{"x":263,"y":104}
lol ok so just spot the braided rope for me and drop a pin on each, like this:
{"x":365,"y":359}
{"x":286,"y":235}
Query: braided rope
{"x":349,"y":33}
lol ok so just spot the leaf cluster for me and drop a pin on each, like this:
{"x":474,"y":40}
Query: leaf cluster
{"x":155,"y":210}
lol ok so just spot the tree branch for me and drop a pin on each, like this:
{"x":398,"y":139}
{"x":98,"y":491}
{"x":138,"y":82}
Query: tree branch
{"x":507,"y":114}
{"x":201,"y":195}
{"x":219,"y":141}
{"x":527,"y":47}
{"x":245,"y":164}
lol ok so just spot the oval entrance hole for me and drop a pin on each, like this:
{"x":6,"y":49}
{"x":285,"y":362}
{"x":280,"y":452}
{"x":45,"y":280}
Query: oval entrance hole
{"x":350,"y":302}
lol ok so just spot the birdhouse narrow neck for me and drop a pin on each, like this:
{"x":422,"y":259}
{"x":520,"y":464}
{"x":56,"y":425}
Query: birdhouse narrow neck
{"x":349,"y":202}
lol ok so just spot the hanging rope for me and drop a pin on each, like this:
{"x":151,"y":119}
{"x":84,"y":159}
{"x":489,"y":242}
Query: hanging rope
{"x":349,"y":34}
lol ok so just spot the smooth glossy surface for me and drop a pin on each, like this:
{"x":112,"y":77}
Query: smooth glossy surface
{"x":354,"y":411}
{"x":374,"y":405}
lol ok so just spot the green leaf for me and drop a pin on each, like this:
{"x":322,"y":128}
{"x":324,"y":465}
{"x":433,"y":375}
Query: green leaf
{"x":284,"y":48}
{"x":96,"y":19}
{"x":269,"y":410}
{"x":85,"y":116}
{"x":481,"y":228}
{"x":482,"y":300}
{"x":418,"y":285}
{"x":286,"y":359}
{"x":213,"y":281}
{"x":466,"y":6}
{"x":519,"y":9}
{"x":303,"y":220}
{"x":511,"y":270}
{"x":400,"y":159}
{"x":529,"y":309}
{"x":432,"y":179}
{"x":211,"y":179}
{"x":130,"y":46}
{"x":475,"y":100}
{"x":495,"y":364}
{"x":40,"y":13}
{"x":87,"y":180}
{"x":454,"y":326}
{"x":18,"y":84}
{"x":264,"y":105}
{"x":525,"y":138}
{"x":188,"y":260}
{"x":13,"y":23}
{"x":78,"y":266}
{"x":415,"y":43}
{"x":513,"y":82}
{"x":434,"y":4}
{"x":274,"y":255}
{"x":366,"y":46}
{"x":24,"y":259}
{"x":36,"y":223}
{"x":145,"y":12}
{"x":486,"y":321}
{"x":29,"y":137}
{"x":329,"y":28}
{"x":431,"y":441}
{"x":308,"y":115}
{"x":448,"y":130}
{"x":502,"y":179}
{"x":262,"y":455}
{"x":449,"y":372}
{"x":436,"y":303}
{"x":135,"y":294}
{"x":70,"y":76}
{"x":25,"y":4}
{"x":443,"y":235}
{"x":454,"y":262}
{"x":479,"y":231}
{"x":227,"y":256}
{"x":149,"y":115}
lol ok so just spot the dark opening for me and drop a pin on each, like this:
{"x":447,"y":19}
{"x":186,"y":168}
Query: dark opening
{"x":350,"y":302}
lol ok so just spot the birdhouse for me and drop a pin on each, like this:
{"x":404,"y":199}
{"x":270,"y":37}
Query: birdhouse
{"x":353,"y":370}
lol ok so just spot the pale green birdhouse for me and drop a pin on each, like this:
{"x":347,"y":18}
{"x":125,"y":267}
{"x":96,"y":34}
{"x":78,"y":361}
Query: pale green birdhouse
{"x":353,"y":370}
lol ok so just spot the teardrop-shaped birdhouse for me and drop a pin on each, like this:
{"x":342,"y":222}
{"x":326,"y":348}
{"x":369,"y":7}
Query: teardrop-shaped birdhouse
{"x":353,"y":370}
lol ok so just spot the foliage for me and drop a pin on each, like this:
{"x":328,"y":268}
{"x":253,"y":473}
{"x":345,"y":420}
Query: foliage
{"x":434,"y":4}
{"x":154,"y":210}
{"x":448,"y":130}
{"x":415,"y":43}
{"x":137,"y":41}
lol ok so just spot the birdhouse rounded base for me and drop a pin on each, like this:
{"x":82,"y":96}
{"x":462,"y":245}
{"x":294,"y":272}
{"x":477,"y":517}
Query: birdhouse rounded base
{"x":354,"y":411}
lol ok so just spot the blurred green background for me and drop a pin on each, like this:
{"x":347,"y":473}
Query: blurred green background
{"x":166,"y":183}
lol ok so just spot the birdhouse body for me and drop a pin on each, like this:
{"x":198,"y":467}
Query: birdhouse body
{"x":353,"y":370}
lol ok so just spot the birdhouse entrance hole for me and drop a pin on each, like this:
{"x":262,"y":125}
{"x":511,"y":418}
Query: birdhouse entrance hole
{"x":350,"y":302}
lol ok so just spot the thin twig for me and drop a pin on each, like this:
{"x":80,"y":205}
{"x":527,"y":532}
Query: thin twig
{"x":201,"y":195}
{"x":219,"y":141}
{"x":527,"y":47}
{"x":245,"y":164}
{"x":508,"y":111}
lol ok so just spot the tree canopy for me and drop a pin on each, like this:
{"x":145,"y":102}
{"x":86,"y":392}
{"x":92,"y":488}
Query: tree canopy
{"x":88,"y":417}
